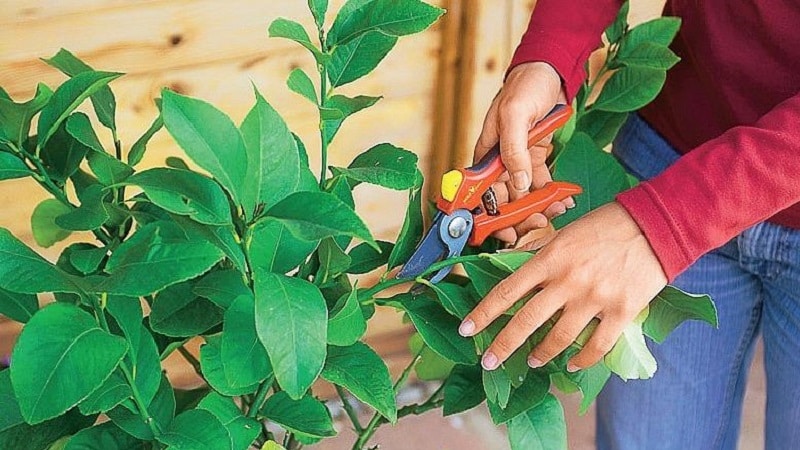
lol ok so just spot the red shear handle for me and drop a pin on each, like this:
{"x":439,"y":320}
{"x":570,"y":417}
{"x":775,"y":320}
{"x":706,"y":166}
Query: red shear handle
{"x":513,"y":213}
{"x":475,"y":180}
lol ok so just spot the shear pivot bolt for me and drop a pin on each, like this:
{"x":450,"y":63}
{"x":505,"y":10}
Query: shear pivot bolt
{"x":457,"y":227}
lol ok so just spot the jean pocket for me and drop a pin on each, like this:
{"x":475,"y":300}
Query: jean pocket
{"x":641,"y":150}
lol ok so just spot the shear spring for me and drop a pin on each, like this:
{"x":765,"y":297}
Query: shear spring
{"x":489,"y":199}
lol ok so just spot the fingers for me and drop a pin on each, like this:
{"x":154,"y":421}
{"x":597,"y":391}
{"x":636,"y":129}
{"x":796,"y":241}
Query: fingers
{"x":602,"y":341}
{"x":515,"y":118}
{"x":524,"y":323}
{"x":503,"y":296}
{"x":564,"y":332}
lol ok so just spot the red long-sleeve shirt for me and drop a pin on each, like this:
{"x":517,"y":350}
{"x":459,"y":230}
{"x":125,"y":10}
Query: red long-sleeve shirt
{"x":731,"y":106}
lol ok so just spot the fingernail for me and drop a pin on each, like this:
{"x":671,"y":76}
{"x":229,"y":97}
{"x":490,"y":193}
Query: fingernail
{"x":489,"y":361}
{"x":560,"y":209}
{"x":467,"y":328}
{"x":572,"y":368}
{"x":534,"y":362}
{"x":521,"y":181}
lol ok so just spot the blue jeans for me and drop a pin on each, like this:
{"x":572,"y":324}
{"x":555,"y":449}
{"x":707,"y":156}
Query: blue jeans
{"x":694,"y":401}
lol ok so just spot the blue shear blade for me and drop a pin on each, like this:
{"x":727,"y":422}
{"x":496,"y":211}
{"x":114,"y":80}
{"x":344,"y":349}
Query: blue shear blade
{"x":430,"y":250}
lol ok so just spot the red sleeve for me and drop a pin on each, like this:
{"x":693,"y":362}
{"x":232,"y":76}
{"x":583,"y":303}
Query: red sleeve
{"x":721,"y":188}
{"x":563,"y":33}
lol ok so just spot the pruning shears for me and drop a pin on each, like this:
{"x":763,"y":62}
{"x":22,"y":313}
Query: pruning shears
{"x":468,"y":208}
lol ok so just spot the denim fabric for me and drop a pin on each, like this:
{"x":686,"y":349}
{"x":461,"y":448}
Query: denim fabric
{"x":694,"y":401}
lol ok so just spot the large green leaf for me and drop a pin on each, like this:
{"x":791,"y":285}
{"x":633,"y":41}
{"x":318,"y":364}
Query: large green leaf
{"x":484,"y":275}
{"x":114,"y":390}
{"x":242,"y":430}
{"x":590,"y":381}
{"x":540,"y":428}
{"x":8,"y":403}
{"x":274,"y":166}
{"x":347,"y":323}
{"x":412,"y":229}
{"x":45,"y":434}
{"x":23,"y":270}
{"x":224,"y":238}
{"x":463,"y":389}
{"x":161,"y":410}
{"x":244,"y":359}
{"x":185,"y":193}
{"x":366,"y":259}
{"x":91,"y":214}
{"x":273,"y":248}
{"x":347,"y":106}
{"x":333,"y":261}
{"x":671,"y":307}
{"x":43,"y":222}
{"x":299,"y":82}
{"x":305,"y":415}
{"x":196,"y":429}
{"x":61,"y":357}
{"x":598,"y":172}
{"x":497,"y":386}
{"x":313,"y":216}
{"x":384,"y":165}
{"x":105,"y":436}
{"x":177,"y":311}
{"x":68,"y":97}
{"x":291,"y":320}
{"x":454,"y":298}
{"x":430,"y":365}
{"x":358,"y":57}
{"x":62,"y":157}
{"x":19,"y":307}
{"x":439,"y":329}
{"x":359,"y":369}
{"x":630,"y":88}
{"x":630,"y":358}
{"x":529,"y":394}
{"x":648,"y":55}
{"x":80,"y":127}
{"x":103,"y":100}
{"x":156,"y":256}
{"x":15,"y":118}
{"x":222,"y":287}
{"x":12,"y":167}
{"x":385,"y":16}
{"x":289,"y":29}
{"x":659,"y":31}
{"x":214,"y":370}
{"x":209,"y":138}
{"x":601,"y":126}
{"x":109,"y":170}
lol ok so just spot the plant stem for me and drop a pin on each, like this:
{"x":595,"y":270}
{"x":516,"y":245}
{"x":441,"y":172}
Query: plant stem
{"x":261,"y":394}
{"x":188,"y":356}
{"x":351,"y":413}
{"x":323,"y":97}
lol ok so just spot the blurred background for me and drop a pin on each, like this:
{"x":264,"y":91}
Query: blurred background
{"x":436,"y":87}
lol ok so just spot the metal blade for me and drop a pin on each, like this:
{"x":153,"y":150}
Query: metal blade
{"x":430,"y":250}
{"x":446,"y":238}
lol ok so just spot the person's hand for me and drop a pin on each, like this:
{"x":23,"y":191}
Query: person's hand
{"x":600,"y":266}
{"x":528,"y":94}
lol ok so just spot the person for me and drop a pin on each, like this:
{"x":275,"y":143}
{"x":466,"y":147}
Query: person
{"x":717,"y":212}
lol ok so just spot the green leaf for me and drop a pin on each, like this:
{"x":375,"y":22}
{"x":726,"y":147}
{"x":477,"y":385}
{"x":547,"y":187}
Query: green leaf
{"x":15,"y":118}
{"x":45,"y":434}
{"x":529,"y":394}
{"x":80,"y":127}
{"x":615,"y":31}
{"x":209,"y":138}
{"x":313,"y":216}
{"x":346,"y":106}
{"x":671,"y":307}
{"x":385,"y":16}
{"x":630,"y":358}
{"x":333,"y":261}
{"x":340,"y":187}
{"x":497,"y":386}
{"x":463,"y":389}
{"x":161,"y":410}
{"x":103,"y":100}
{"x":91,"y":214}
{"x":156,"y":256}
{"x":347,"y":323}
{"x":224,"y":238}
{"x":484,"y":275}
{"x":274,"y":163}
{"x":19,"y":307}
{"x":630,"y":88}
{"x":540,"y":428}
{"x":244,"y":359}
{"x":649,"y":55}
{"x":273,"y":248}
{"x":242,"y":430}
{"x":196,"y":429}
{"x":291,"y":320}
{"x":23,"y":270}
{"x":185,"y":193}
{"x":358,"y":57}
{"x":439,"y":329}
{"x":601,"y":126}
{"x":509,"y":261}
{"x":429,"y":366}
{"x":590,"y":381}
{"x":68,"y":97}
{"x":109,"y":170}
{"x":179,"y":312}
{"x":8,"y":404}
{"x":660,"y":31}
{"x":222,"y":287}
{"x":105,"y":436}
{"x":412,"y":230}
{"x":300,"y":83}
{"x":12,"y":167}
{"x":60,"y":358}
{"x":114,"y":390}
{"x":214,"y":371}
{"x":598,"y":172}
{"x":306,"y":415}
{"x":455,"y":299}
{"x":289,"y":29}
{"x":139,"y":147}
{"x":563,"y":383}
{"x":384,"y":165}
{"x":362,"y":372}
{"x":318,"y":9}
{"x":43,"y":222}
{"x":62,"y":156}
{"x":365,"y":259}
